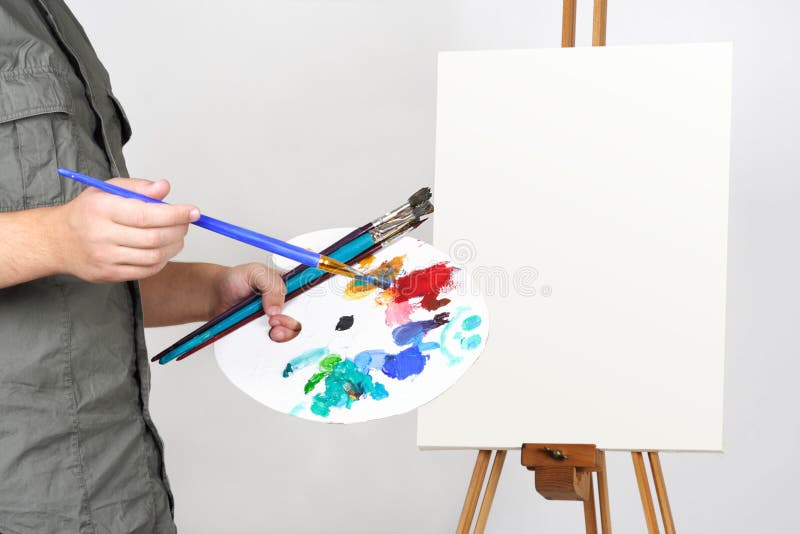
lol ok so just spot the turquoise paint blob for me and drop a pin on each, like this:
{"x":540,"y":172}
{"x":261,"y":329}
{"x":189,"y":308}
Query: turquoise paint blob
{"x":344,"y":385}
{"x":471,"y":323}
{"x":452,"y":359}
{"x":471,"y":342}
{"x":297,"y":409}
{"x":309,"y":357}
{"x":379,"y":392}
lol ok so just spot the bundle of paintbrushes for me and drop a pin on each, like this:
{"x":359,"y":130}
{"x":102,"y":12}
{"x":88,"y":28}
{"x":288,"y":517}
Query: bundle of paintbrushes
{"x":350,"y":249}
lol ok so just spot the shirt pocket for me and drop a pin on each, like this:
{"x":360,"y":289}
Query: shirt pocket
{"x":121,"y":121}
{"x":35,"y":137}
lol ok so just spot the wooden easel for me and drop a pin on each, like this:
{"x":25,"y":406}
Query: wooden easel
{"x":566,"y":471}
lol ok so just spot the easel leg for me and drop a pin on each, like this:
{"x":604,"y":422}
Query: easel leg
{"x":602,"y":491}
{"x":589,"y":514}
{"x":473,"y":492}
{"x":491,"y":488}
{"x":644,"y":492}
{"x":599,"y":22}
{"x":661,"y":492}
{"x":568,"y":19}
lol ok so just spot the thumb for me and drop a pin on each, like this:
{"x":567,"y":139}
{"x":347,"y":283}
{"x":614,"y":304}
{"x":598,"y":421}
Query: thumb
{"x":157,"y":190}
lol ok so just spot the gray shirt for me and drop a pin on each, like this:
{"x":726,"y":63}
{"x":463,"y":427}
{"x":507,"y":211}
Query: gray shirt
{"x":78,"y":450}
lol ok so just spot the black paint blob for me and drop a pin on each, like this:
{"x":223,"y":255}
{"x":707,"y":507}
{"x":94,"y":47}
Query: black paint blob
{"x":345,"y":322}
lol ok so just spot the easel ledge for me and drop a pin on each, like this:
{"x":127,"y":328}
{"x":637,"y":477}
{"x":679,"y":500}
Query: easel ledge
{"x":566,"y":471}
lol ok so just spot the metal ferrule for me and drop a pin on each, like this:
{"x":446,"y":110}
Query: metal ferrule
{"x":396,"y":222}
{"x":406,"y":211}
{"x":388,"y":233}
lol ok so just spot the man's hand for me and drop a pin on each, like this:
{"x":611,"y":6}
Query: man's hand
{"x":105,"y":238}
{"x":237,"y":283}
{"x":190,"y":292}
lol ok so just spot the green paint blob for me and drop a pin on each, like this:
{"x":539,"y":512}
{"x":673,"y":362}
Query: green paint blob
{"x":329,"y":362}
{"x":325,"y":368}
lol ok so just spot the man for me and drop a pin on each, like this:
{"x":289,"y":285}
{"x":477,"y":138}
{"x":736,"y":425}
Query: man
{"x":78,"y":450}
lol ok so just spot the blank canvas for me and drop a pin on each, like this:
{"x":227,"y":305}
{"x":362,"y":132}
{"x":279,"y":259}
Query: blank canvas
{"x":585,"y":190}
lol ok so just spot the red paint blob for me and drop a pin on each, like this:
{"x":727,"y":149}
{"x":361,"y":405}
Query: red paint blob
{"x":431,"y":303}
{"x":426,"y":283}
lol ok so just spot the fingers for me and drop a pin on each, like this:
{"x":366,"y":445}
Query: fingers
{"x":284,"y":328}
{"x":151,"y":237}
{"x":135,"y":213}
{"x":284,"y":320}
{"x":158,"y":189}
{"x":109,"y":238}
{"x":147,"y":257}
{"x":270,"y":284}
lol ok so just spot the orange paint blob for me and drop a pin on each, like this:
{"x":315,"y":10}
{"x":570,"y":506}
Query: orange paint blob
{"x":387,"y":270}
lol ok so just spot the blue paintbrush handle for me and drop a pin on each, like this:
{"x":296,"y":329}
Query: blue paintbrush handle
{"x":270,"y":244}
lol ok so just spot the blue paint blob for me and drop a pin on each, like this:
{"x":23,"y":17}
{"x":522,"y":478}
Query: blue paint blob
{"x":471,"y":323}
{"x":407,"y":363}
{"x":414,"y":331}
{"x":471,"y":342}
{"x":369,"y":359}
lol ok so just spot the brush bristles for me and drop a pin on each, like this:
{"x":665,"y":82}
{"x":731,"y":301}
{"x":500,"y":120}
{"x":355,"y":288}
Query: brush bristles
{"x":421,"y":196}
{"x":422,"y":209}
{"x":380,"y":281}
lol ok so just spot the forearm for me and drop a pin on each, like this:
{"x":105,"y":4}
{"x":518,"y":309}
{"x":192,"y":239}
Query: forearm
{"x":180,"y":293}
{"x":28,"y":245}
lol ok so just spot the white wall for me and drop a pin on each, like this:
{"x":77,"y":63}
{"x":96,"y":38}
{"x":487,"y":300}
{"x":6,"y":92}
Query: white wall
{"x":336,"y":98}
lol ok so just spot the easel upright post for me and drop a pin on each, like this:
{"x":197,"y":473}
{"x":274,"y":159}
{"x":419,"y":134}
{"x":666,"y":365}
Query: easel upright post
{"x":568,"y":21}
{"x":599,"y":19}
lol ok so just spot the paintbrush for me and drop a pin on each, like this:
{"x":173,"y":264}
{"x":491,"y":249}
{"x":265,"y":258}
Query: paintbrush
{"x":383,"y":229}
{"x":417,"y":206}
{"x":352,"y":252}
{"x":265,"y":242}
